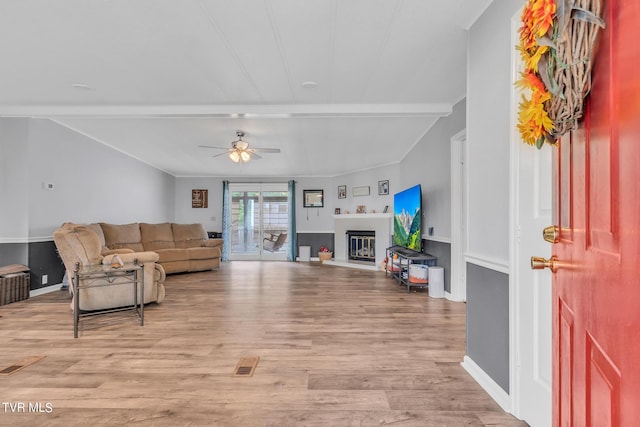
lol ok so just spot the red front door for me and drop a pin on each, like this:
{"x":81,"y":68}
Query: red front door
{"x":596,"y":290}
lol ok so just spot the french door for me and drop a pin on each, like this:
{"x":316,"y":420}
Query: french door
{"x":259,"y":221}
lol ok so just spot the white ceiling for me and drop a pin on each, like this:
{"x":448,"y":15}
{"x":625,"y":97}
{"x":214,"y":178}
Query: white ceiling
{"x":164,"y":76}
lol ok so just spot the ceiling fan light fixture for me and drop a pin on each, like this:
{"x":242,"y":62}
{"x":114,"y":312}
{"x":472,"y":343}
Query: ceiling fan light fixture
{"x":234,"y":156}
{"x":245,"y":156}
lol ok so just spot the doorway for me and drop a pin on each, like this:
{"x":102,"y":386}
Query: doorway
{"x":259,"y":221}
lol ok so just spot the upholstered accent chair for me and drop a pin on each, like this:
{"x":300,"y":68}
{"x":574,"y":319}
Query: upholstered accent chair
{"x":80,"y":244}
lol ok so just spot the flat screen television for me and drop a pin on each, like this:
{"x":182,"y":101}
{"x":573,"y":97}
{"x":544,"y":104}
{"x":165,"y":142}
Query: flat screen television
{"x":407,"y":218}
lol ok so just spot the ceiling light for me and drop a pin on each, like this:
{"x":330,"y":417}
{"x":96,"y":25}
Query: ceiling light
{"x":310,"y":84}
{"x":234,"y":156}
{"x":244,"y":156}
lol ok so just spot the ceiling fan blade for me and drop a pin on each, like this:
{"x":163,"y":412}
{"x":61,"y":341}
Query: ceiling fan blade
{"x":255,"y":156}
{"x":221,"y":154}
{"x":266,"y":150}
{"x":209,"y":146}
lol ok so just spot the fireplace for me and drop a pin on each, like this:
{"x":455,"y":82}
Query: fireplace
{"x":361,"y":245}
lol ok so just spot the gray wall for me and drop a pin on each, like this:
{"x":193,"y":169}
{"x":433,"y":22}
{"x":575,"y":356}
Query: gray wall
{"x":487,"y":316}
{"x":489,"y":112}
{"x":442,"y":251}
{"x":91,"y":183}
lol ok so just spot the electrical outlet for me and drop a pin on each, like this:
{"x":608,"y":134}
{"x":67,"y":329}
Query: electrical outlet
{"x":45,"y":279}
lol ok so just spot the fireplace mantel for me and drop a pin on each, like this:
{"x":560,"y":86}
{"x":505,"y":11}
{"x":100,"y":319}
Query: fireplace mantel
{"x":379,"y":222}
{"x":364,"y":216}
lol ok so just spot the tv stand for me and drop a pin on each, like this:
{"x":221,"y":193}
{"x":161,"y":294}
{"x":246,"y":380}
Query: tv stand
{"x":406,"y":257}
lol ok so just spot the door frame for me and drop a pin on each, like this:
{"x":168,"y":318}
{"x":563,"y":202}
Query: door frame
{"x":517,"y":272}
{"x":261,"y":254}
{"x":459,"y":228}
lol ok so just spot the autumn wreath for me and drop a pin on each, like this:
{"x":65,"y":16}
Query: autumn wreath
{"x":557,"y":44}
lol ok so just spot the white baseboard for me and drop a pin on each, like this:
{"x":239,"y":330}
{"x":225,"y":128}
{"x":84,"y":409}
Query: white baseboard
{"x":45,"y":290}
{"x":496,"y":392}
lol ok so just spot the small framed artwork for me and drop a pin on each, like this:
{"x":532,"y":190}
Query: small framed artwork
{"x":313,"y":198}
{"x":361,"y":191}
{"x":383,"y":187}
{"x":199,"y":198}
{"x":361,"y":209}
{"x":337,"y":211}
{"x":342,"y":191}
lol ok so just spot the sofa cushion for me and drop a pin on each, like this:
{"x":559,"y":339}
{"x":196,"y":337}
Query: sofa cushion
{"x":80,"y":243}
{"x":188,"y":235}
{"x":156,"y":236}
{"x":203,"y":253}
{"x":122,"y":236}
{"x":169,"y":255}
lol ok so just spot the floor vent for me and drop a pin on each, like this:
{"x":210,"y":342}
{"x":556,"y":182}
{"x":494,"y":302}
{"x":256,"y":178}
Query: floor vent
{"x":246,"y":366}
{"x":12,"y":369}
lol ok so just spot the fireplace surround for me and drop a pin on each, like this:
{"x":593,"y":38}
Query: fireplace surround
{"x":380,"y":223}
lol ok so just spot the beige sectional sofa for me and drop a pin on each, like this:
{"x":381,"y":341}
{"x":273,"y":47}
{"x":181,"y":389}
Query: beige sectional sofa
{"x":180,"y":247}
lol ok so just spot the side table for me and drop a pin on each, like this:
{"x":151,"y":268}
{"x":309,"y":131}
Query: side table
{"x":93,"y":276}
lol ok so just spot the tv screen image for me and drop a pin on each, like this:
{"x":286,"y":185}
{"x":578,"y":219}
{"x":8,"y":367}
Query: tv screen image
{"x":407,"y":218}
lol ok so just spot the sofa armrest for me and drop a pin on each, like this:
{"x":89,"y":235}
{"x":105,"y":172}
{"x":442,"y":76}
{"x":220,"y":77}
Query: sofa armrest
{"x":213,"y":243}
{"x":142,"y":257}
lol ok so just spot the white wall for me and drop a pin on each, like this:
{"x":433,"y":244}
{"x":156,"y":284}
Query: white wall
{"x":488,"y":131}
{"x":429,"y":164}
{"x":366,"y":178}
{"x":14,"y":175}
{"x":91,"y":182}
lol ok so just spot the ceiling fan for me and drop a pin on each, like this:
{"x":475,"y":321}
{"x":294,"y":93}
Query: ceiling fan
{"x":240,"y":151}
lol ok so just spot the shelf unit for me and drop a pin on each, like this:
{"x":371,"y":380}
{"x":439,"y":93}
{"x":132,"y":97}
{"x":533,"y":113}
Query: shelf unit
{"x":405,"y":257}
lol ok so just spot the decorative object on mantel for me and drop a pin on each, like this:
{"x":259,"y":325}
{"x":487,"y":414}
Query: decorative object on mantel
{"x":313,"y":198}
{"x":557,"y":42}
{"x":386,"y":209}
{"x":324,"y":254}
{"x":342,"y":191}
{"x":199,"y":198}
{"x":383,"y":187}
{"x":361,"y":191}
{"x":337,"y":211}
{"x":361,"y":209}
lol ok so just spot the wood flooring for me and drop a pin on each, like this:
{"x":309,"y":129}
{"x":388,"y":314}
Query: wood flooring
{"x":336,"y":347}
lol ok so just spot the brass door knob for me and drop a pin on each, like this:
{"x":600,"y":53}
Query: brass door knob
{"x":551,"y":234}
{"x":539,"y":263}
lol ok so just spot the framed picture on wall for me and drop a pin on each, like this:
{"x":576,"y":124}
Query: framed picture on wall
{"x":342,"y":191}
{"x":383,"y":187}
{"x":313,"y":198}
{"x":199,"y":198}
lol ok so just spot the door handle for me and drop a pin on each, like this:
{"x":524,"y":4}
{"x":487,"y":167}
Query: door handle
{"x":539,"y":263}
{"x":551,"y":234}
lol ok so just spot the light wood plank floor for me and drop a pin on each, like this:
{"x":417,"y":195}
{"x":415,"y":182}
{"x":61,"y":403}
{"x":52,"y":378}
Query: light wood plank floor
{"x":337,"y":347}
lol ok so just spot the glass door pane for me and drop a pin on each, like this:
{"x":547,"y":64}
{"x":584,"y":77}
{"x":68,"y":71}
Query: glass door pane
{"x":259,"y":221}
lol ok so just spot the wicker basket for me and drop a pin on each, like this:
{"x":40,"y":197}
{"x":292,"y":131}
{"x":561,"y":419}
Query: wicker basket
{"x":325,"y":256}
{"x":568,"y":69}
{"x":14,"y":283}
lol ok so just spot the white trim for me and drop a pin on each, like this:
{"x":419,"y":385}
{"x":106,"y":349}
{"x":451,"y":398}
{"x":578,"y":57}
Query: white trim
{"x":459,"y":225}
{"x":45,"y":290}
{"x":440,"y":239}
{"x":491,"y":264}
{"x":36,"y":239}
{"x":496,"y":392}
{"x":230,"y":111}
